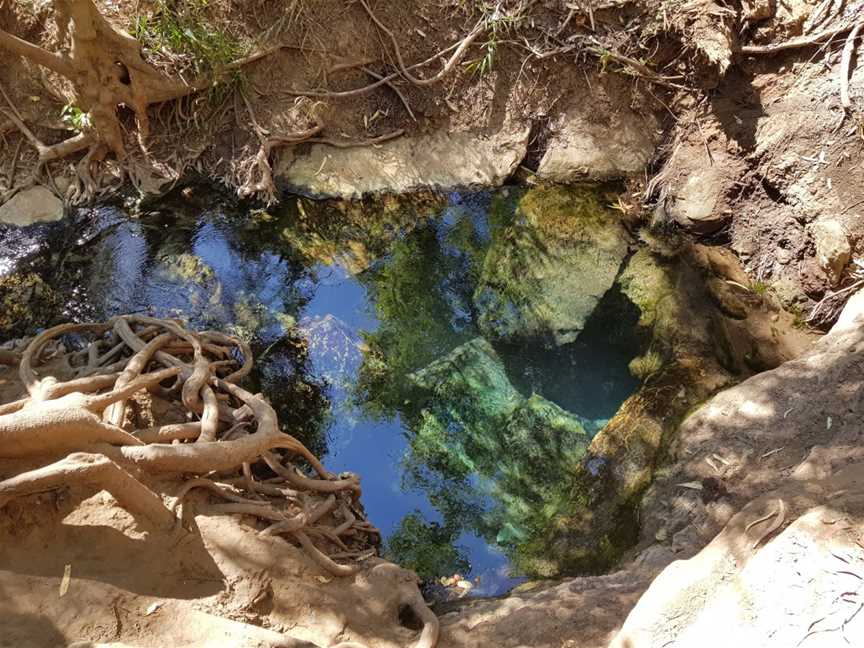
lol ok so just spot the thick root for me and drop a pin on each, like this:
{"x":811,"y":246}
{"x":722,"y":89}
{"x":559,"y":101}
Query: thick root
{"x":83,"y":416}
{"x":98,"y":472}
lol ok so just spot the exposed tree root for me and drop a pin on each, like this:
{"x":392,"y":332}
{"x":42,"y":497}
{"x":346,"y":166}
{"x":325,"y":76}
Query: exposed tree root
{"x":846,"y":64}
{"x":85,"y":417}
{"x":93,"y":470}
{"x":795,"y":43}
{"x":106,"y":70}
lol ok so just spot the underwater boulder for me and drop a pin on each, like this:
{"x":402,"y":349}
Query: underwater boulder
{"x":545,"y":437}
{"x":547,"y":269}
{"x":523,"y":450}
{"x":544,"y":442}
{"x":473,"y":379}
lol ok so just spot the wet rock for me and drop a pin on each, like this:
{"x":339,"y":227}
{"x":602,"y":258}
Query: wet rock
{"x":546,"y":271}
{"x":441,"y":161}
{"x":832,"y":247}
{"x":583,"y":146}
{"x":34,"y":205}
{"x":728,"y":298}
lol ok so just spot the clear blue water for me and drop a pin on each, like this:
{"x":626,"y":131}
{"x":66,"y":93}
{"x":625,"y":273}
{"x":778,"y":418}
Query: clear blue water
{"x":314,"y":322}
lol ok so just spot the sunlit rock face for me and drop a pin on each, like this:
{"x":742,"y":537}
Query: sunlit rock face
{"x":548,"y":267}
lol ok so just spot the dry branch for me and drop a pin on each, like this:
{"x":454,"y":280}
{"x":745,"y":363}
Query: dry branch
{"x":795,"y":43}
{"x":846,"y":64}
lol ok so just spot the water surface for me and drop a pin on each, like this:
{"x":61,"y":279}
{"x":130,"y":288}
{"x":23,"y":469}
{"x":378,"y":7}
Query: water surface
{"x":353,"y":313}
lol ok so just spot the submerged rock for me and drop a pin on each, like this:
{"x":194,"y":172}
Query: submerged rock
{"x":186,"y":267}
{"x":542,"y":437}
{"x":546,"y":271}
{"x":522,"y":449}
{"x":25,"y":301}
{"x":34,"y":205}
{"x":472,"y":374}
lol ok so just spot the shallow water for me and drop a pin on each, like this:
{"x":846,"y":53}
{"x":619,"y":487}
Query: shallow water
{"x":348,"y":313}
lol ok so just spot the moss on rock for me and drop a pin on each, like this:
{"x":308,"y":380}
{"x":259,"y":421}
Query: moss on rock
{"x":548,"y":267}
{"x":26,"y":302}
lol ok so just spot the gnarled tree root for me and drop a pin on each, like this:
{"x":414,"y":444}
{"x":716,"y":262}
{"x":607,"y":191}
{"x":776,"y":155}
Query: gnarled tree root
{"x":98,"y":472}
{"x":228,"y":456}
{"x":235,"y":431}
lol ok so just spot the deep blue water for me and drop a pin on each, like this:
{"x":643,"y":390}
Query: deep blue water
{"x":219,"y":267}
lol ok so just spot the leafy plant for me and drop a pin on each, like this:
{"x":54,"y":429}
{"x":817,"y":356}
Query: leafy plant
{"x":603,"y":58}
{"x":75,"y":118}
{"x":496,"y":23}
{"x":182,"y":30}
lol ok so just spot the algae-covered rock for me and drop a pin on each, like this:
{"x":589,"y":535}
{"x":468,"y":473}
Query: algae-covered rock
{"x":188,"y":267}
{"x":543,"y":438}
{"x":352,"y":235}
{"x":547,"y":269}
{"x":26,"y":302}
{"x":649,"y":284}
{"x":523,"y":450}
{"x":474,"y":376}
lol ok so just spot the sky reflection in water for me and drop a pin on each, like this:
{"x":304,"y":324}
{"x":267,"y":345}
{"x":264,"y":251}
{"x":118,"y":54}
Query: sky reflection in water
{"x":224,"y":269}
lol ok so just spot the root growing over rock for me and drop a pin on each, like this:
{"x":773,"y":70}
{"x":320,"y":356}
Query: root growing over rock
{"x":229,"y":446}
{"x":213,"y":438}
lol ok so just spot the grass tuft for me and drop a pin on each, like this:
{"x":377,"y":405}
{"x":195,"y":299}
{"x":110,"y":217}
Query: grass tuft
{"x":180,"y":32}
{"x":645,"y":366}
{"x":498,"y":24}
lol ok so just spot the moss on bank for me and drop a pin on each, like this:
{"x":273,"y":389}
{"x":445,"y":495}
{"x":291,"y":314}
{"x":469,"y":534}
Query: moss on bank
{"x":26,"y":301}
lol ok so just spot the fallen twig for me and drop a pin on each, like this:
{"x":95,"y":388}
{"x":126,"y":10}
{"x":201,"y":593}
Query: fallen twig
{"x":846,"y":63}
{"x":803,"y":41}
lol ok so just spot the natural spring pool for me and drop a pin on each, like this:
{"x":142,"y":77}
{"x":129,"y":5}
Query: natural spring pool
{"x":371,"y":326}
